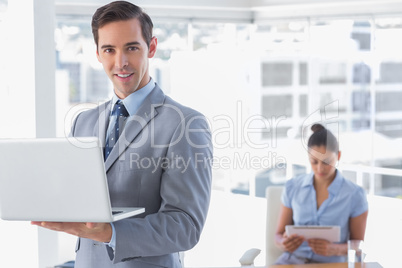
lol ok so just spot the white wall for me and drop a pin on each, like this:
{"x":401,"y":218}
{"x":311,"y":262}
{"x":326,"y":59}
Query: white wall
{"x":235,"y":223}
{"x":384,"y":231}
{"x":17,"y":94}
{"x":17,"y":102}
{"x":27,"y":110}
{"x":18,"y":247}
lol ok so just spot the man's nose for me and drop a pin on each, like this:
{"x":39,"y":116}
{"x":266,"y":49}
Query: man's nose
{"x":121,"y":60}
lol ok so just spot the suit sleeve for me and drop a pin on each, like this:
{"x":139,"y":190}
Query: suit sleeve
{"x":185,"y":194}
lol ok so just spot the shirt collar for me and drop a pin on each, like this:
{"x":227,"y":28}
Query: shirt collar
{"x":133,"y":101}
{"x":332,"y":188}
{"x":335,"y":186}
{"x":308,"y":181}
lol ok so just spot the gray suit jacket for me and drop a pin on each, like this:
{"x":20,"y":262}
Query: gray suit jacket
{"x":162,"y":162}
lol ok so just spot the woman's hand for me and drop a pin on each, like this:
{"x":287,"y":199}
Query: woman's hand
{"x":324,"y":247}
{"x":291,"y":243}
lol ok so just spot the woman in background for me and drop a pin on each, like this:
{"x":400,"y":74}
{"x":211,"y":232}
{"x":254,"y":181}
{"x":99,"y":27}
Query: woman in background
{"x":323,"y":197}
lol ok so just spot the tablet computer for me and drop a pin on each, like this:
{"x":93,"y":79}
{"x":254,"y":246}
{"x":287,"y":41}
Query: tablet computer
{"x":330,"y":233}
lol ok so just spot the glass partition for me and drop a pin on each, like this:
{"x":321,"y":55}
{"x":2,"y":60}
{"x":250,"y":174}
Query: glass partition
{"x":262,"y":85}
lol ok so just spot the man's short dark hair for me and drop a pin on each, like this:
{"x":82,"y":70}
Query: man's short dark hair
{"x":121,"y":11}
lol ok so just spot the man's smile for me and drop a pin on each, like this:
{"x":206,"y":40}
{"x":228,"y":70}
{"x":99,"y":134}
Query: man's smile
{"x":124,"y":75}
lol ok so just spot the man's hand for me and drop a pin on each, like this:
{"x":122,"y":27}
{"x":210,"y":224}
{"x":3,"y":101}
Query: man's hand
{"x":101,"y":232}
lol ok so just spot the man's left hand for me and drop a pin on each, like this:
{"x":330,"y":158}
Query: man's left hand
{"x":101,"y":232}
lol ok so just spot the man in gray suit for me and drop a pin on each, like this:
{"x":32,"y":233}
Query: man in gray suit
{"x":161,"y":161}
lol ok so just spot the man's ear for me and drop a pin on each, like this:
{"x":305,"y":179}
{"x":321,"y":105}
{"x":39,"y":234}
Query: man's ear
{"x":152,"y":47}
{"x":339,"y":155}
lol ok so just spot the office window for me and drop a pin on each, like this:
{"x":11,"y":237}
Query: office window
{"x":361,"y":101}
{"x":334,"y":101}
{"x":171,"y":37}
{"x":392,"y":129}
{"x":391,"y":186}
{"x":388,"y":101}
{"x":277,"y":74}
{"x":303,"y":73}
{"x":303,"y":105}
{"x":76,"y":62}
{"x":388,"y":38}
{"x":360,"y":124}
{"x":3,"y":8}
{"x":304,"y":67}
{"x":76,"y":57}
{"x":332,"y":73}
{"x":207,"y":34}
{"x":282,"y":74}
{"x":334,"y":76}
{"x":210,"y":35}
{"x":277,"y":106}
{"x":363,"y":40}
{"x":390,"y":73}
{"x":388,"y":41}
{"x":286,"y":36}
{"x":361,"y":34}
{"x":361,"y":73}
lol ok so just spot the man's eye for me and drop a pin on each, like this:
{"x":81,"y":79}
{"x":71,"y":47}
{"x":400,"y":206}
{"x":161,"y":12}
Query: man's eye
{"x":108,"y":50}
{"x":133,"y":48}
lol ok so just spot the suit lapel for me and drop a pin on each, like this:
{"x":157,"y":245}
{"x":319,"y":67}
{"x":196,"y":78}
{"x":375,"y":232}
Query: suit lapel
{"x":136,"y":123}
{"x":101,"y":125}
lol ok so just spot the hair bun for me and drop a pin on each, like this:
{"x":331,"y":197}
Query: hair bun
{"x":317,"y":127}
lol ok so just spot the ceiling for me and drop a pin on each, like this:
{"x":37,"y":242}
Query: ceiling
{"x":243,"y":10}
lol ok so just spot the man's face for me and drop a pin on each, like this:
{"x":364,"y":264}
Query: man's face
{"x":124,"y":55}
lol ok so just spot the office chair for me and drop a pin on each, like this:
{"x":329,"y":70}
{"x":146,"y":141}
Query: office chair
{"x":273,"y":196}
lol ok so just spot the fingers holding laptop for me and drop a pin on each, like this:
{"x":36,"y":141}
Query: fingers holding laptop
{"x":101,"y":232}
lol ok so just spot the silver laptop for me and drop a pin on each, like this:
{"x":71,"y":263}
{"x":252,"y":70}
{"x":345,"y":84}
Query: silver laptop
{"x":56,"y":179}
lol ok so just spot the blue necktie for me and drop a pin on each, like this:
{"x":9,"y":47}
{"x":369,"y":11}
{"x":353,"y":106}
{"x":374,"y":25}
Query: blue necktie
{"x":120,"y":114}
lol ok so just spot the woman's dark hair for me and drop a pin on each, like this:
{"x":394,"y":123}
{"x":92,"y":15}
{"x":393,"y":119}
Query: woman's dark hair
{"x":322,"y":136}
{"x":121,"y":11}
